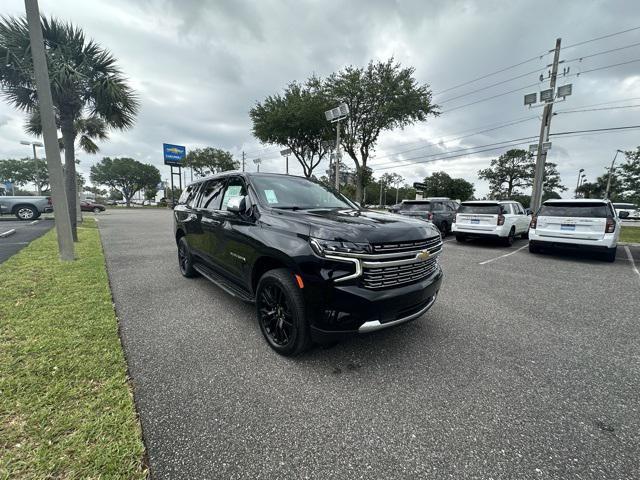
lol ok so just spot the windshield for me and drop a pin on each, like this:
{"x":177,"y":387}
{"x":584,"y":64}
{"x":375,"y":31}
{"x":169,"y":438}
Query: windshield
{"x":569,"y":209}
{"x":624,"y":206}
{"x":415,"y":207}
{"x":481,"y":209}
{"x":288,"y":192}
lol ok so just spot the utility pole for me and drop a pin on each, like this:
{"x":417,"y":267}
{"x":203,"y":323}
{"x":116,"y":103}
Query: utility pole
{"x":285,"y":153}
{"x":536,"y":196}
{"x":337,"y":162}
{"x":578,"y":182}
{"x":49,"y":133}
{"x":243,"y":160}
{"x":606,"y":195}
{"x":36,"y":176}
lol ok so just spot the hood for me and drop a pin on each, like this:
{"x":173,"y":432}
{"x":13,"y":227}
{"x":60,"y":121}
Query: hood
{"x":364,"y":226}
{"x":417,"y":213}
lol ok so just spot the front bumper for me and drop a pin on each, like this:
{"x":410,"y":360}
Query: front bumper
{"x":342,"y":311}
{"x":609,"y":240}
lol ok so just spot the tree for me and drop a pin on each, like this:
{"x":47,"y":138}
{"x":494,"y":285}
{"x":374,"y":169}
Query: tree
{"x":630,"y":175}
{"x":13,"y":170}
{"x":381,"y":97}
{"x":97,"y":191}
{"x":90,"y":93}
{"x":440,"y":184}
{"x":295,"y":119}
{"x":126,"y":175}
{"x":515,"y":170}
{"x":209,"y":160}
{"x":598,"y":188}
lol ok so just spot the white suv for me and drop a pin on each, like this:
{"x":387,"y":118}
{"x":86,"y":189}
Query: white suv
{"x":586,"y":224}
{"x":500,"y":219}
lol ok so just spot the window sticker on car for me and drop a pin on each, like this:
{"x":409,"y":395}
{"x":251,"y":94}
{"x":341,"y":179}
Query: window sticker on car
{"x":271,"y":196}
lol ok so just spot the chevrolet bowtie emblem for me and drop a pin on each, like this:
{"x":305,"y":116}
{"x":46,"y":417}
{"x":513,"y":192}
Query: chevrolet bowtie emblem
{"x":423,"y":255}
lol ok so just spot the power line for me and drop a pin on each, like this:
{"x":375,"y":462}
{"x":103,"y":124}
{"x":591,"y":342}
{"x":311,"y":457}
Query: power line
{"x":577,"y":133}
{"x":431,"y":144}
{"x":492,"y":97}
{"x":598,"y":109}
{"x":602,"y":53}
{"x":601,"y":38}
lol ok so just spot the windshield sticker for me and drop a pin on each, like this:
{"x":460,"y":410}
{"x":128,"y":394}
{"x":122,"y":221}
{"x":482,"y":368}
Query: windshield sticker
{"x":271,"y":196}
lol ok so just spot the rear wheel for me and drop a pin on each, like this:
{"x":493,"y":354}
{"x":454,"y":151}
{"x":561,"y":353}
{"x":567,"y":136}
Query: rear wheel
{"x":533,"y":248}
{"x":280,"y":308}
{"x":461,"y":238}
{"x":444,"y":229}
{"x":509,"y":239}
{"x":97,"y":210}
{"x":185,"y":260}
{"x":26,"y":212}
{"x":524,"y":235}
{"x":610,"y":256}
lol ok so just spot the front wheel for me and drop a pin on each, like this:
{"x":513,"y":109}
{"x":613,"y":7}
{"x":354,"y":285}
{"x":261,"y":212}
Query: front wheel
{"x":533,"y":248}
{"x":281,"y":312}
{"x":525,"y":234}
{"x":97,"y":210}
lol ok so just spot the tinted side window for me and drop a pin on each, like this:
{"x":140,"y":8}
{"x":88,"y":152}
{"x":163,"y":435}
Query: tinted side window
{"x":437,"y":206}
{"x":450,"y":206}
{"x":189,"y":194}
{"x":212,"y":194}
{"x":235,"y":188}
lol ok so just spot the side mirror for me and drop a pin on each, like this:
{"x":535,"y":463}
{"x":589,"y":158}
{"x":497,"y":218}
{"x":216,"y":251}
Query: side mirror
{"x":237,"y":204}
{"x":623,"y":214}
{"x":527,"y":211}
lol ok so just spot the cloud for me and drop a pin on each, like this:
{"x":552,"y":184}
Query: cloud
{"x":200,"y":66}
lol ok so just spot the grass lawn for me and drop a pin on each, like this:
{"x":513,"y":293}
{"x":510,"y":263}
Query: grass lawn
{"x":630,"y":234}
{"x":66,"y":410}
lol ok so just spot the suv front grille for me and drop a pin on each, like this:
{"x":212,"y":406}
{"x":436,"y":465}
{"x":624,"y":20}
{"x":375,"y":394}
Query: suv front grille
{"x":393,"y":276}
{"x":432,"y":244}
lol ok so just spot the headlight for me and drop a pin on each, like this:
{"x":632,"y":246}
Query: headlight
{"x":323,"y":247}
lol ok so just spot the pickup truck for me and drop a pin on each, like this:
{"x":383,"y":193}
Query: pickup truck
{"x":25,"y":207}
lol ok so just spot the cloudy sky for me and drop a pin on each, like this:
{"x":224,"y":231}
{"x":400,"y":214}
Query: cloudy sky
{"x":199,"y":66}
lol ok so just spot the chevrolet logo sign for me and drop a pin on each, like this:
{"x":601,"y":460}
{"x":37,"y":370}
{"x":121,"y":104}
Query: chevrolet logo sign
{"x":423,"y":255}
{"x":174,"y":150}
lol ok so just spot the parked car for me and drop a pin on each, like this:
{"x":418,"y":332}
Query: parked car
{"x":317,"y":267}
{"x":89,"y":206}
{"x":441,"y":211}
{"x":500,"y":219}
{"x":583,"y":224}
{"x":630,"y":208}
{"x":25,"y":207}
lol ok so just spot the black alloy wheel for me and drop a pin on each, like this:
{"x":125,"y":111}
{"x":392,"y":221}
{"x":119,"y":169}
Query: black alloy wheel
{"x":509,"y":239}
{"x":185,"y":261}
{"x":281,"y":312}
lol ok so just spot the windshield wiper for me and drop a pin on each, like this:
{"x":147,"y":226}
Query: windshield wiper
{"x":289,"y":208}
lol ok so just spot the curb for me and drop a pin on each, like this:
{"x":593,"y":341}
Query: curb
{"x":629,"y":244}
{"x":7,"y":233}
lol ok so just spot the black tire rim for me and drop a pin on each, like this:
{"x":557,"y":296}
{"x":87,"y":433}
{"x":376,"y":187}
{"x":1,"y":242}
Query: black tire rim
{"x":512,"y":236}
{"x":275,"y":315}
{"x":96,"y":210}
{"x":183,"y":258}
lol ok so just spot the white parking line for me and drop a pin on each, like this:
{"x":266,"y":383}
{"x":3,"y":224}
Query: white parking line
{"x":34,"y":222}
{"x":633,"y":264}
{"x":502,"y":256}
{"x":7,"y":233}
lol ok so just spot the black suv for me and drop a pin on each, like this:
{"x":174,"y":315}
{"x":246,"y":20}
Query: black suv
{"x":316,"y":265}
{"x":441,"y":211}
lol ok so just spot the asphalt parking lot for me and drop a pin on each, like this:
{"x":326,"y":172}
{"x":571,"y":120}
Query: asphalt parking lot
{"x":24,"y":233}
{"x":526,"y":367}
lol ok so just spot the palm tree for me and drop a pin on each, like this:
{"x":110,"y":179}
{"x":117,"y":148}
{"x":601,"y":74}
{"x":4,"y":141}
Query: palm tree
{"x":90,"y":93}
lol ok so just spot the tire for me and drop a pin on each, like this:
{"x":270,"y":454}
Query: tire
{"x":26,"y":212}
{"x":185,"y":259}
{"x":525,"y":235}
{"x":444,"y":229}
{"x":509,"y":239}
{"x":97,"y":210}
{"x":461,"y":238}
{"x":533,"y":248}
{"x":281,"y":313}
{"x":610,"y":256}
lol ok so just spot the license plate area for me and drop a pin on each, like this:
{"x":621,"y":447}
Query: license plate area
{"x":475,"y":221}
{"x":568,"y":227}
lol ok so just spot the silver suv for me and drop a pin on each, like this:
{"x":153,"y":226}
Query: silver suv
{"x":25,"y":207}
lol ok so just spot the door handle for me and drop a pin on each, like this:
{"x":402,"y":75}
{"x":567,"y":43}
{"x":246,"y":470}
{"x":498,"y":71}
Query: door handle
{"x":210,"y":221}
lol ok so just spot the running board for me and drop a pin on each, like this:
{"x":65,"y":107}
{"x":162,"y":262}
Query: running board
{"x":226,"y":285}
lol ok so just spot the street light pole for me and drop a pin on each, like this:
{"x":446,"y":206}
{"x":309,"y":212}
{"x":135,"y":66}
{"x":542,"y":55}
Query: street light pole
{"x":337,"y":162}
{"x":35,"y":162}
{"x":257,"y":162}
{"x":334,"y":116}
{"x":578,"y":182}
{"x":606,"y":195}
